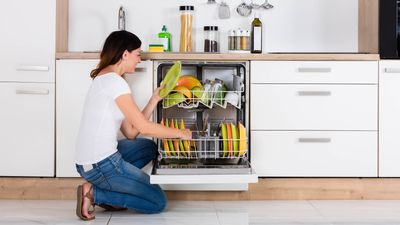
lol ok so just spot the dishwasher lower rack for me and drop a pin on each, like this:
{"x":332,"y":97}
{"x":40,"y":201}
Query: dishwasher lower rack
{"x":206,"y":149}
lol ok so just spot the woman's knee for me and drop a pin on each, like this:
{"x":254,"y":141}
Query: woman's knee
{"x":151,"y":146}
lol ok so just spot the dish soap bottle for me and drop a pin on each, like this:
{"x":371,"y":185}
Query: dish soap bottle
{"x":256,"y":35}
{"x":166,"y":38}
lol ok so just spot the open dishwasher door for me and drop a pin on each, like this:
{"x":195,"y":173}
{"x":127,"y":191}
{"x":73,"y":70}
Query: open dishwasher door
{"x":210,"y":99}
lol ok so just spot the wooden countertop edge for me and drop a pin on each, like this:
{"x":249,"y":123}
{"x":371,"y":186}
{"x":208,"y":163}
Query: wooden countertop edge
{"x":231,"y":56}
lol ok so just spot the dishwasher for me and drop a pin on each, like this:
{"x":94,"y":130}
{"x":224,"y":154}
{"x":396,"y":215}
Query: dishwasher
{"x":212,"y":100}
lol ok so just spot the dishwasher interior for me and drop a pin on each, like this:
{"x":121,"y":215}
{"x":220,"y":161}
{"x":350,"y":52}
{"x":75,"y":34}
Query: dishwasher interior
{"x":213,"y":104}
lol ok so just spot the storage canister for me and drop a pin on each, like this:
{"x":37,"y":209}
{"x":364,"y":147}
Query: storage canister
{"x":186,"y":38}
{"x":211,"y":39}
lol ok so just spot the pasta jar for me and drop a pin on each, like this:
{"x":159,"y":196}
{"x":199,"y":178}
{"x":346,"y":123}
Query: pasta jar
{"x":186,"y":38}
{"x":211,"y":39}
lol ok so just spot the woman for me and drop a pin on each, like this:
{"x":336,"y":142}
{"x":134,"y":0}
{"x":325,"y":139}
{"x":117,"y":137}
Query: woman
{"x":111,"y":167}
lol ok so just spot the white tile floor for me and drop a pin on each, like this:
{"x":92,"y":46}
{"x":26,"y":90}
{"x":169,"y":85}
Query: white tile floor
{"x":213,"y":213}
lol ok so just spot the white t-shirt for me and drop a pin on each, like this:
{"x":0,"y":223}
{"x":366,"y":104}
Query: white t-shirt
{"x":101,"y":119}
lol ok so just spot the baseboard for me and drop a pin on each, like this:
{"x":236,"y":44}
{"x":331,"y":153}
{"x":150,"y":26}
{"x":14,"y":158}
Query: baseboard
{"x":265,"y":189}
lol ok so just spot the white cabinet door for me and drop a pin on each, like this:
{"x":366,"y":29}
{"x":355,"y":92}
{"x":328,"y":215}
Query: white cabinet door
{"x":141,"y":83}
{"x":314,"y":153}
{"x":27,"y":40}
{"x":73,"y":81}
{"x":27,"y":129}
{"x":389,"y":119}
{"x":314,"y":107}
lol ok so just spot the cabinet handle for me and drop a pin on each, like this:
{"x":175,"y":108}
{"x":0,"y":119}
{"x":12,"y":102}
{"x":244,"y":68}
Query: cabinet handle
{"x":314,"y":93}
{"x":314,"y":140}
{"x":32,"y":92}
{"x":32,"y":68}
{"x":392,"y":70}
{"x":314,"y":70}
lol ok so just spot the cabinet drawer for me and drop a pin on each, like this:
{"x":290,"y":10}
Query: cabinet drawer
{"x":314,"y":154}
{"x":313,"y":107}
{"x":314,"y":72}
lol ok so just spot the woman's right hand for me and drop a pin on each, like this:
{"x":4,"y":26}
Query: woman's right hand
{"x":186,"y":134}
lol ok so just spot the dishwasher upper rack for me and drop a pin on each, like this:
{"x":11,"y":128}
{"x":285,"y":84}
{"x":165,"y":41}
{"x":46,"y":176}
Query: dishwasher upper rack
{"x":207,"y":99}
{"x":203,"y":147}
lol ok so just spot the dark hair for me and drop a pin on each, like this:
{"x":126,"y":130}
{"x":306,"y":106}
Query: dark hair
{"x":114,"y":46}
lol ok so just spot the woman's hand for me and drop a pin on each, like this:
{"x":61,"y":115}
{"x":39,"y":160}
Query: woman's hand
{"x":186,"y":134}
{"x":156,"y":94}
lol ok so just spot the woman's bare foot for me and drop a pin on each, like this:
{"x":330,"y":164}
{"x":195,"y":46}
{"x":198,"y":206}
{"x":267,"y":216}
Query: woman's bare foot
{"x":87,"y":200}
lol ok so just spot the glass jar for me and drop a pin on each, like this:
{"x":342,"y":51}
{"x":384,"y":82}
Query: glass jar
{"x":186,"y":38}
{"x":237,"y":39}
{"x":231,"y":40}
{"x":245,"y":41}
{"x":211,"y":39}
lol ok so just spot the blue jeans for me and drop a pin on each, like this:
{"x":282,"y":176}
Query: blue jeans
{"x":118,"y":181}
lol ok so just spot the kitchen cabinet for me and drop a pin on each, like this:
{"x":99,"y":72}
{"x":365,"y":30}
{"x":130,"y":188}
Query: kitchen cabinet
{"x":307,"y":118}
{"x":27,"y":129}
{"x":389,"y":118}
{"x":27,"y":40}
{"x":27,"y":88}
{"x":72,"y":82}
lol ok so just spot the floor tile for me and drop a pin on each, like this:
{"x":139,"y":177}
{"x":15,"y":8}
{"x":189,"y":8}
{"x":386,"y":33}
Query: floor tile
{"x":212,"y":213}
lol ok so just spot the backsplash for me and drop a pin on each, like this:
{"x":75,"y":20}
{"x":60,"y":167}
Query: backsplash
{"x":291,"y":26}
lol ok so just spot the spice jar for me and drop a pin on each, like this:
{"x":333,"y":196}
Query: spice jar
{"x":245,"y":41}
{"x":231,"y":40}
{"x":186,"y":38}
{"x":211,"y":39}
{"x":237,"y":39}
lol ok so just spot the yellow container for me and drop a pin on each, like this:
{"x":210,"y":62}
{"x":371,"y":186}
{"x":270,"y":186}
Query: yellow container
{"x":156,"y":48}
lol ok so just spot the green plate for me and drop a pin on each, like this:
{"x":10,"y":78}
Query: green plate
{"x":170,"y":79}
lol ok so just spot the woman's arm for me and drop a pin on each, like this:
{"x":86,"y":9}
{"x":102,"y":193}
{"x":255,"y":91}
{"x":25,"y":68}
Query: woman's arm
{"x":136,"y":118}
{"x":128,"y":129}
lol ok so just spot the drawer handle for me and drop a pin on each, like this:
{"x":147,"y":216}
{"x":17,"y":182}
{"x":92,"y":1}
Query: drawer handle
{"x":32,"y":92}
{"x":32,"y":68}
{"x":314,"y":70}
{"x":314,"y":93}
{"x":314,"y":140}
{"x":138,"y":69}
{"x":392,"y":70}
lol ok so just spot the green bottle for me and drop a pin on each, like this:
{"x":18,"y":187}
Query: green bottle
{"x":166,"y":39}
{"x":256,"y":35}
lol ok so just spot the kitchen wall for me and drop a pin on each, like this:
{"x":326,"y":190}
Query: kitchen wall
{"x":292,"y":26}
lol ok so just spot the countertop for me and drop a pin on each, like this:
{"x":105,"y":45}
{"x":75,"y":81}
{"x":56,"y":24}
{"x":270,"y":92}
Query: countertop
{"x":234,"y":56}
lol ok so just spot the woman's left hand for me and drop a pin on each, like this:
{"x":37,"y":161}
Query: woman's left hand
{"x":156,"y":94}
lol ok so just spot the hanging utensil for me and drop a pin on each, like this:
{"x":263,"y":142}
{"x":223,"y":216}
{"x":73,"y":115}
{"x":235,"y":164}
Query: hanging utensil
{"x":254,"y":5}
{"x":244,"y":9}
{"x":266,"y":5}
{"x":224,"y":12}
